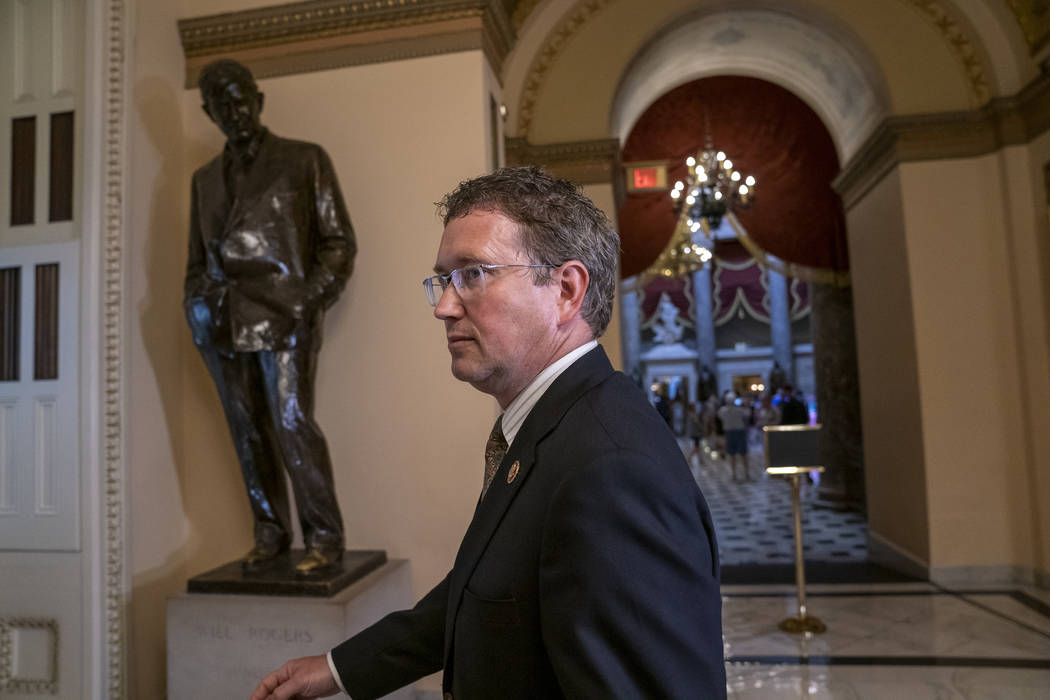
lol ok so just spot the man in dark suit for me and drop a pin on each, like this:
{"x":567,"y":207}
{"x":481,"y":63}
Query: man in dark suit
{"x":590,"y":567}
{"x":271,"y":247}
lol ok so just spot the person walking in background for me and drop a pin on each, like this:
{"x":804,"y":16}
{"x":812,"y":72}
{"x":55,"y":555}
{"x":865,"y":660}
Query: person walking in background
{"x":735,"y":417}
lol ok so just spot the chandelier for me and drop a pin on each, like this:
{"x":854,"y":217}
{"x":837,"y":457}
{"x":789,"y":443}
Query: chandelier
{"x":711,"y":189}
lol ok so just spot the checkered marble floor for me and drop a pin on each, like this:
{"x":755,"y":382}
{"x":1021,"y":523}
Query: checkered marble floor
{"x":754,"y":521}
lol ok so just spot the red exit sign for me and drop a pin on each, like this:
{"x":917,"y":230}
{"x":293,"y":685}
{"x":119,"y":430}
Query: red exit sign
{"x":646,"y":176}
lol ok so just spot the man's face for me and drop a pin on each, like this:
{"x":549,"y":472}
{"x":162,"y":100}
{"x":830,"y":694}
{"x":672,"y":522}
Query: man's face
{"x":236,"y":111}
{"x":502,"y":337}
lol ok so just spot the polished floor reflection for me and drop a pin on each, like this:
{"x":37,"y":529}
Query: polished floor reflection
{"x":885,"y":641}
{"x":755,"y":522}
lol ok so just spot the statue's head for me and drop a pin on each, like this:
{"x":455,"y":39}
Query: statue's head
{"x":231,"y":99}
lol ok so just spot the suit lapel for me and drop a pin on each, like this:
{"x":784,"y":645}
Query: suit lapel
{"x":213,"y":199}
{"x":258,"y":180}
{"x":572,"y":384}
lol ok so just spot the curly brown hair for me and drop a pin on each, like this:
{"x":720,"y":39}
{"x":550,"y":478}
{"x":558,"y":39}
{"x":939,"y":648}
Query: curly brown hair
{"x":557,"y":223}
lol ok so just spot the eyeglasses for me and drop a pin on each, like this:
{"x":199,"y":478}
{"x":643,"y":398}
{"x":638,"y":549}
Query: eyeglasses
{"x":468,"y":280}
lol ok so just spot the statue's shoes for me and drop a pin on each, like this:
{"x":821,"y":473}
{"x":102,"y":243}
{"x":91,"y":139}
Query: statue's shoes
{"x":263,"y":552}
{"x":317,"y":560}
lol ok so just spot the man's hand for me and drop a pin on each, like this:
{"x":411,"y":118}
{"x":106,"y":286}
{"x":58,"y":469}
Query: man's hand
{"x":299,"y":679}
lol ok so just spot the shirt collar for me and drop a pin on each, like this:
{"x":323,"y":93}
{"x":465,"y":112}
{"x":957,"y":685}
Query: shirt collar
{"x":521,"y":406}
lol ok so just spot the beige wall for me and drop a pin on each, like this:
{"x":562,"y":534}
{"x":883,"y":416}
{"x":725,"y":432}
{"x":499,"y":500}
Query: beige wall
{"x":949,"y":272}
{"x":888,"y":372}
{"x":163,"y":499}
{"x":405,"y":437}
{"x":1029,"y":239}
{"x":947,"y":281}
{"x":603,"y":197}
{"x":967,"y":326}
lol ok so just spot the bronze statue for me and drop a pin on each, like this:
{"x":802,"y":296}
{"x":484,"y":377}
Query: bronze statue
{"x":271,"y":247}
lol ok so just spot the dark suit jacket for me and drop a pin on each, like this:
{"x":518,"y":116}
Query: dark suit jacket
{"x":262,"y":264}
{"x":592,"y":574}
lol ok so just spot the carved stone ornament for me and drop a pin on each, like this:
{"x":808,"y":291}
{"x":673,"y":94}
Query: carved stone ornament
{"x":321,"y":34}
{"x":9,"y":682}
{"x":115,"y":583}
{"x":583,"y":162}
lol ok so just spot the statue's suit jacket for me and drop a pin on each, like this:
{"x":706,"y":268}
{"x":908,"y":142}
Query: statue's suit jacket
{"x":265,"y":262}
{"x":589,"y":570}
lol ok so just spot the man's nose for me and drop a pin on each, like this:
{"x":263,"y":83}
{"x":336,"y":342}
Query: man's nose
{"x":449,"y":305}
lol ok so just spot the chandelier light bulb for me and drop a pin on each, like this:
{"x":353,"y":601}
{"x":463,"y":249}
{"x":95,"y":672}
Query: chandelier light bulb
{"x":743,"y":189}
{"x":679,"y":185}
{"x":675,"y":194}
{"x":727,"y":164}
{"x":721,"y":156}
{"x":718,"y":194}
{"x":690,"y":161}
{"x":735,"y":177}
{"x":690,"y":199}
{"x":750,"y":181}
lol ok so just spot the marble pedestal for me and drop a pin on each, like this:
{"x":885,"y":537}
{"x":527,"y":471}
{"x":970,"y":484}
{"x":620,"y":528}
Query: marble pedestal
{"x":220,"y":645}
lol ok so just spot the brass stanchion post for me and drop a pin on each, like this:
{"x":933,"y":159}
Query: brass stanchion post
{"x":788,"y":447}
{"x":804,"y":622}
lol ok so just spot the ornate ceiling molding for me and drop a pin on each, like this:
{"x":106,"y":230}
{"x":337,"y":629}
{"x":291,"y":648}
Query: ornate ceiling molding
{"x":582,"y":162}
{"x":321,"y":34}
{"x":1034,"y":19}
{"x":546,"y":56}
{"x":959,"y":43}
{"x":1004,"y":121}
{"x":961,"y":46}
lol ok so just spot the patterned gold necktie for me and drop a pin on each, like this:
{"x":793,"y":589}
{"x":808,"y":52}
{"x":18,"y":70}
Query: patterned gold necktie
{"x":495,"y":450}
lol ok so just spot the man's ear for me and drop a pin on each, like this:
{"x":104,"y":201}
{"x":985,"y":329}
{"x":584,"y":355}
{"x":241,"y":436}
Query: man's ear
{"x":260,"y":98}
{"x":572,"y":280}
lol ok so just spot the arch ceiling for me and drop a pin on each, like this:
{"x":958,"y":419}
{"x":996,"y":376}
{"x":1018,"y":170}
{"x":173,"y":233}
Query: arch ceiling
{"x":843,"y":88}
{"x":576,"y":59}
{"x":769,"y":133}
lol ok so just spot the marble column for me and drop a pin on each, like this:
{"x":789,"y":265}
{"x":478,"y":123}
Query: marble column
{"x":705,"y":320}
{"x":780,"y":324}
{"x":838,"y":396}
{"x":630,"y":328}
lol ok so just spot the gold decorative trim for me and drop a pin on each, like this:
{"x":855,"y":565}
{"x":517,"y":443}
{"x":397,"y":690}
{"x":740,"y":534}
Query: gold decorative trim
{"x":958,"y":41}
{"x":1005,"y":121}
{"x":545,"y":57}
{"x":819,"y":275}
{"x":1034,"y":19}
{"x":961,"y":46}
{"x":27,"y":686}
{"x":113,"y":334}
{"x":320,"y":34}
{"x":583,"y":162}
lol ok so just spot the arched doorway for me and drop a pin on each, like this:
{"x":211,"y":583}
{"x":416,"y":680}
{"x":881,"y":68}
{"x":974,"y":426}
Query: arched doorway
{"x":748,"y":316}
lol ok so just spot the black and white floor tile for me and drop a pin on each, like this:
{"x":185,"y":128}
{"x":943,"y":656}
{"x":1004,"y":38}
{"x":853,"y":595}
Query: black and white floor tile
{"x":884,"y":641}
{"x":755,"y":523}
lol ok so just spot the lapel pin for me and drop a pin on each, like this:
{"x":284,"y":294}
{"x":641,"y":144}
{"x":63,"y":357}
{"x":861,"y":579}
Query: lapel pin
{"x":513,"y":473}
